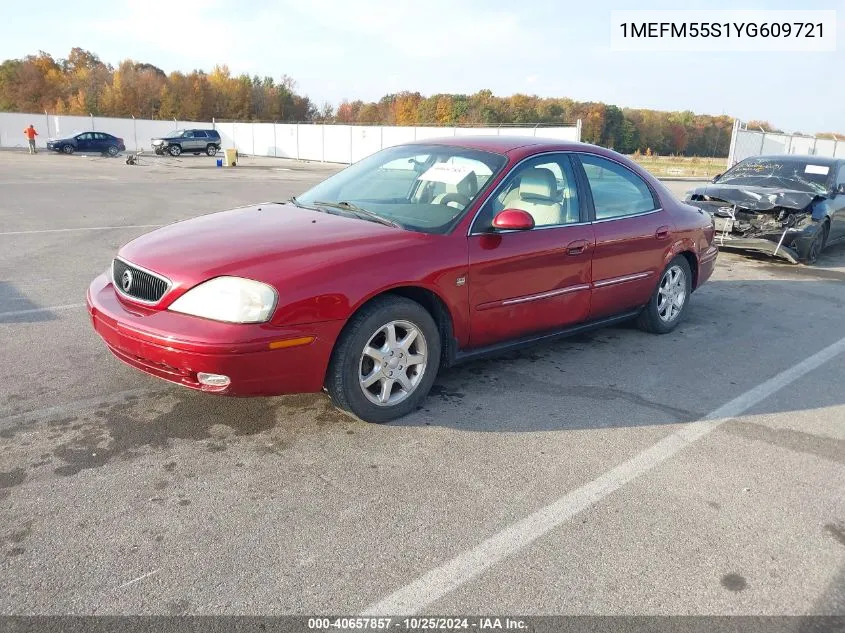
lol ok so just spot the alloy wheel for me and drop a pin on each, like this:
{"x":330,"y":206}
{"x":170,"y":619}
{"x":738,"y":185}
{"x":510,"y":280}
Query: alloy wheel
{"x":672,"y":294}
{"x":392,"y":363}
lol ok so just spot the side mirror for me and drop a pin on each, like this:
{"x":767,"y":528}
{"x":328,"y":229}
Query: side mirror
{"x":716,"y":178}
{"x":513,"y":220}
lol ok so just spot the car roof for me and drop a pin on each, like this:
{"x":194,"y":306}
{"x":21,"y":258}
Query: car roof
{"x":504,"y":144}
{"x":799,"y":158}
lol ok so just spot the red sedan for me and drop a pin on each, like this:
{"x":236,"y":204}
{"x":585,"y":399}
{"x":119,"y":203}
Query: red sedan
{"x":415,"y":258}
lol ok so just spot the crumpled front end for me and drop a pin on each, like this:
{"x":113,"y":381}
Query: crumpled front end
{"x":776,"y":224}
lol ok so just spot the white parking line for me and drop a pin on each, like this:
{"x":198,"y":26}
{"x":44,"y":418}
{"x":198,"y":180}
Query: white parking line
{"x":86,"y":228}
{"x":442,"y":580}
{"x":68,"y":306}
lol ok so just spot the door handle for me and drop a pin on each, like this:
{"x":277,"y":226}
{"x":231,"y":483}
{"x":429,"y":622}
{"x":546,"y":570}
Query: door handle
{"x":662,"y":232}
{"x":577,"y":247}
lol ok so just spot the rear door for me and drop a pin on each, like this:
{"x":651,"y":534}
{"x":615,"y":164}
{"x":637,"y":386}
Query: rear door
{"x":632,"y":233}
{"x":101,"y":141}
{"x":526,"y":282}
{"x":200,"y":139}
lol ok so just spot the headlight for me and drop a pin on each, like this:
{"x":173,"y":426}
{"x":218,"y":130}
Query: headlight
{"x":230,"y":299}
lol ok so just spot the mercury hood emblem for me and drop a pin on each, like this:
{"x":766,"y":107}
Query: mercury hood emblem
{"x":126,"y":280}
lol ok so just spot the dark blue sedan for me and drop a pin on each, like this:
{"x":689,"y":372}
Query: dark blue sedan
{"x":788,"y":206}
{"x":98,"y":142}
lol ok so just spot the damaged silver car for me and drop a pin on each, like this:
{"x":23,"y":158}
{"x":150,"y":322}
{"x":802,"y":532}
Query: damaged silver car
{"x":787,"y":206}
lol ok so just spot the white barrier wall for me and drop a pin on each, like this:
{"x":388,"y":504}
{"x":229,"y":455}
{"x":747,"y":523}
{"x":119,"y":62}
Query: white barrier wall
{"x":745,"y":143}
{"x":328,"y":143}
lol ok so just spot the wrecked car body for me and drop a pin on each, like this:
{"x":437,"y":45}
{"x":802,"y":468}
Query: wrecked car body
{"x":786,"y":206}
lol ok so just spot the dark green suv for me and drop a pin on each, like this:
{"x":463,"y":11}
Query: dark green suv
{"x":194,"y":141}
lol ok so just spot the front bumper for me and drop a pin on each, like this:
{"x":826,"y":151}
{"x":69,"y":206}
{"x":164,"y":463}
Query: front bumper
{"x":175,"y":347}
{"x":791,"y":245}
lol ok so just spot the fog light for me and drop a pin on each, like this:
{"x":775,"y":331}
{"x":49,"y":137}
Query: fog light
{"x":213,"y":380}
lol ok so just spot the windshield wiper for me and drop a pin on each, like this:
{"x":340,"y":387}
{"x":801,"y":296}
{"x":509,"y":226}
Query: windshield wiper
{"x":365,"y":214}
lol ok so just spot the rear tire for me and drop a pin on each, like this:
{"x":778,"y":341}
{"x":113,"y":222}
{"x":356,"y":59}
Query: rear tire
{"x":175,"y":150}
{"x":385,"y":360}
{"x":112,"y":150}
{"x":668,"y":304}
{"x":211,"y":150}
{"x":68,"y":149}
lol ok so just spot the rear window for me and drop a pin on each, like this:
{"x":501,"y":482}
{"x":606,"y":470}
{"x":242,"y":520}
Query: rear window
{"x":212,"y":133}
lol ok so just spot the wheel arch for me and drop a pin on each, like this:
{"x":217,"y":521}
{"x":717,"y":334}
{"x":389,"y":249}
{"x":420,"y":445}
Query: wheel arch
{"x":428,"y":299}
{"x":686,"y":249}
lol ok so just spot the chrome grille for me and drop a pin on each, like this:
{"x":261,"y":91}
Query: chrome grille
{"x":138,"y":284}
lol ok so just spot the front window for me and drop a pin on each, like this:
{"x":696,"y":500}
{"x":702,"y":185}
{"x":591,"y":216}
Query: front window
{"x":176,"y":134}
{"x":419,"y":187}
{"x":800,"y":175}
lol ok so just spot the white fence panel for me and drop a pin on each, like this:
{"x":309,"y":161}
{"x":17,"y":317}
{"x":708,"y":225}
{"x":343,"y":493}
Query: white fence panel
{"x":478,"y":131}
{"x":287,"y":140}
{"x":775,"y":144}
{"x":311,"y":142}
{"x":801,"y":145}
{"x":840,"y":149}
{"x":571,"y":133}
{"x":825,"y":147}
{"x":337,"y":143}
{"x":396,"y":135}
{"x":263,"y":139}
{"x":243,"y":139}
{"x":366,"y":140}
{"x":12,"y":126}
{"x":434,"y":132}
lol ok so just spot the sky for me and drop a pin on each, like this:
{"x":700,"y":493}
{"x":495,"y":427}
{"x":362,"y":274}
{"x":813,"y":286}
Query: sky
{"x":348,"y":49}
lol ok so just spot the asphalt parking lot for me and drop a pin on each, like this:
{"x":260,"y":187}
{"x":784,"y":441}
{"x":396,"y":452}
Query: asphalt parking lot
{"x":701,"y":472}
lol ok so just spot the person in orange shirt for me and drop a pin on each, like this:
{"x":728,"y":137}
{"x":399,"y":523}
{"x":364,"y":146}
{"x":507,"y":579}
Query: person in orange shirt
{"x":30,"y":134}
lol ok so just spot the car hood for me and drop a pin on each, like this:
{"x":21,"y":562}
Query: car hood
{"x":268,"y":242}
{"x":755,"y":197}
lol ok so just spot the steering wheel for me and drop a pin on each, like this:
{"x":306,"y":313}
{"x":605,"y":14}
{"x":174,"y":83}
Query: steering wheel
{"x":455,"y":197}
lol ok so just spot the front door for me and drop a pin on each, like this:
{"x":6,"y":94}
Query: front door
{"x":837,"y":204}
{"x":84,"y":142}
{"x":633,"y":235}
{"x":526,"y":282}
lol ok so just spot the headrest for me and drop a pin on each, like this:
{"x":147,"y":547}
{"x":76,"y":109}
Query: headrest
{"x":538,"y":182}
{"x":469,"y":185}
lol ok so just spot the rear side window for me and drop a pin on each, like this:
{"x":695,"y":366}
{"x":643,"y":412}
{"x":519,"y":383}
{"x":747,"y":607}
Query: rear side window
{"x":617,"y":191}
{"x":199,"y":134}
{"x":212,"y":134}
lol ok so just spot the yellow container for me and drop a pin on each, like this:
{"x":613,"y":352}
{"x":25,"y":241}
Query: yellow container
{"x":231,"y":157}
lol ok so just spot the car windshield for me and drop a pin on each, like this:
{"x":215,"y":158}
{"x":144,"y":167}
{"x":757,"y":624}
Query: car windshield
{"x":770,"y":172}
{"x":175,"y":134}
{"x":419,"y":187}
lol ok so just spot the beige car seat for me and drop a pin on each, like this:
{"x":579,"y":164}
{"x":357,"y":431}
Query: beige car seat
{"x":467,"y":187}
{"x":537,"y":195}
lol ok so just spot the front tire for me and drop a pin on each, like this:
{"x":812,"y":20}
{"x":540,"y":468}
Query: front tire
{"x":174,"y":150}
{"x":385,"y":360}
{"x":668,"y":303}
{"x":68,"y":149}
{"x":817,"y":245}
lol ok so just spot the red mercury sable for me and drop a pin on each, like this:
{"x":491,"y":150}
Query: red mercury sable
{"x":413,"y":259}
